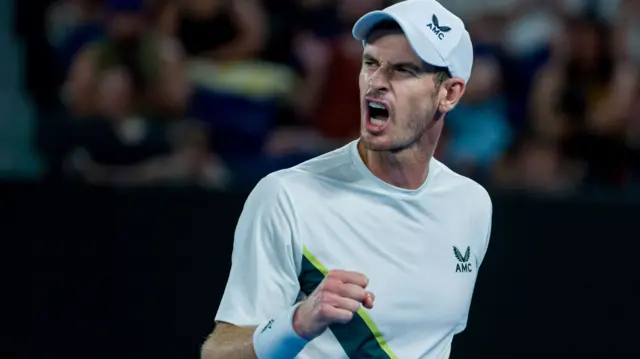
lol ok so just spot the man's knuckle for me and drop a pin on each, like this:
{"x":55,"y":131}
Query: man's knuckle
{"x":331,"y":285}
{"x":324,"y":310}
{"x":354,"y":306}
{"x":323,"y":297}
{"x":346,"y":317}
{"x":334,"y":273}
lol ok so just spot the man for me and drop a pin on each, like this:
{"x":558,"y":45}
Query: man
{"x":154,"y":64}
{"x":372,"y":250}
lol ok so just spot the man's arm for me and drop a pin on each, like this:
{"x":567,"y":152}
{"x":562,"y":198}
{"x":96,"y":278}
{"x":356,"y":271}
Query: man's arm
{"x":263,"y":281}
{"x":229,"y":342}
{"x":483,"y":222}
{"x":258,"y":315}
{"x":334,"y":301}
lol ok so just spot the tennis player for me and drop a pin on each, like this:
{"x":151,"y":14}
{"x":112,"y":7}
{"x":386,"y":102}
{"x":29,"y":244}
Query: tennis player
{"x":372,"y":250}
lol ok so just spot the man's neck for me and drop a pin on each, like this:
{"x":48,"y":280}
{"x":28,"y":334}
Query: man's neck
{"x":408,"y":169}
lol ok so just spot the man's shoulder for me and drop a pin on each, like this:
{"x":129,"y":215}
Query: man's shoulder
{"x":462,"y":187}
{"x":333,"y":165}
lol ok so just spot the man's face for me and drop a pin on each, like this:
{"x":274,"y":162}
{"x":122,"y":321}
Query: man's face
{"x":398,"y":93}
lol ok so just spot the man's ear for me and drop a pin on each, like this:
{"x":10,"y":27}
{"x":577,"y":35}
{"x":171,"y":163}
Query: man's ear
{"x":451,"y":91}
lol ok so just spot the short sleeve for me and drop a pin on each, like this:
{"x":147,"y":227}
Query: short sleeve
{"x":485,"y":216}
{"x":263,"y":281}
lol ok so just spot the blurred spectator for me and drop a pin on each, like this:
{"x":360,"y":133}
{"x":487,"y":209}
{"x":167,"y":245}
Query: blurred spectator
{"x":129,"y":91}
{"x":224,"y":41}
{"x":122,"y":147}
{"x":153,"y":62}
{"x":334,"y":62}
{"x":236,"y":29}
{"x":552,"y":103}
{"x":582,"y":99}
{"x":535,"y":164}
{"x":284,"y":23}
{"x":633,"y":135}
{"x":478,"y":131}
{"x":244,"y":90}
{"x":634,"y":117}
{"x":73,"y":24}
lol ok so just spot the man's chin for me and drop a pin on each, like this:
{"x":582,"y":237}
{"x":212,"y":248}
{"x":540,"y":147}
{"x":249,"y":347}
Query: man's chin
{"x":376,"y":143}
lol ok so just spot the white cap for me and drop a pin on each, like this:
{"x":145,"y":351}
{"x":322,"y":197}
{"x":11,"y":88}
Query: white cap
{"x":437,"y":36}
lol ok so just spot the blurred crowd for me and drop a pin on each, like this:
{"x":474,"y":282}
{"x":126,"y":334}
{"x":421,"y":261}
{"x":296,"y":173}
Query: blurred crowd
{"x":222,"y":92}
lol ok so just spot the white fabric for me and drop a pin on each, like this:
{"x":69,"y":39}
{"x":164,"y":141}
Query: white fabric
{"x":403,"y":240}
{"x":437,"y":35}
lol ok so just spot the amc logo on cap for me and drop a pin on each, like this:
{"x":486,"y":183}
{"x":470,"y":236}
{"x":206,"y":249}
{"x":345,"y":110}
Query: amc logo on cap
{"x":436,"y":28}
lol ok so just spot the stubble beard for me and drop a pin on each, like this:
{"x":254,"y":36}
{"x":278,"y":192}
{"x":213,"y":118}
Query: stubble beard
{"x":411,"y":136}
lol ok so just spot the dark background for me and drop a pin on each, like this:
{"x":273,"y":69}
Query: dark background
{"x":139,"y":273}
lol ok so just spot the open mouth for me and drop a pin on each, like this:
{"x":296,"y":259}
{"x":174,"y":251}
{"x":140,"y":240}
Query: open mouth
{"x":378,"y":113}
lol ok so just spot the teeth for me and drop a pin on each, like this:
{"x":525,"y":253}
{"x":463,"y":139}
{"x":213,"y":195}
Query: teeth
{"x":377,"y":122}
{"x":377,"y":105}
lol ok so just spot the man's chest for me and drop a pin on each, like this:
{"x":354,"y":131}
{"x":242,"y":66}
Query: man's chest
{"x":421,"y":264}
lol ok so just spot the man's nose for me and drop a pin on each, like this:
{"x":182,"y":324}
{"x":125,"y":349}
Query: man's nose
{"x":379,"y":80}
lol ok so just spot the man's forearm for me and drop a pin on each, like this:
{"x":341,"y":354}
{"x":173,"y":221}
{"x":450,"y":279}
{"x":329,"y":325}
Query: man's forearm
{"x":229,"y":342}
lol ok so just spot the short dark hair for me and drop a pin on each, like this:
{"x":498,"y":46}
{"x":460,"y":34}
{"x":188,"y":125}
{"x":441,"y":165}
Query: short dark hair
{"x":388,"y":25}
{"x":441,"y":73}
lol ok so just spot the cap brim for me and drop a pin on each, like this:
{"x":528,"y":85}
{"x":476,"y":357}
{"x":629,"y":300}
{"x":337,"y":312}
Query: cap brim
{"x":420,"y":44}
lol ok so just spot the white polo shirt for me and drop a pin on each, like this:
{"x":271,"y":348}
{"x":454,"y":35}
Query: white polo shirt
{"x":421,"y":250}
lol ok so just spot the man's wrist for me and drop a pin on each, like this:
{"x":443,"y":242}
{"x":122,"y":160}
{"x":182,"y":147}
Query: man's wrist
{"x":296,"y":323}
{"x":277,"y":338}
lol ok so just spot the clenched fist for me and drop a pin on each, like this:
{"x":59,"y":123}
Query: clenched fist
{"x":335,"y":300}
